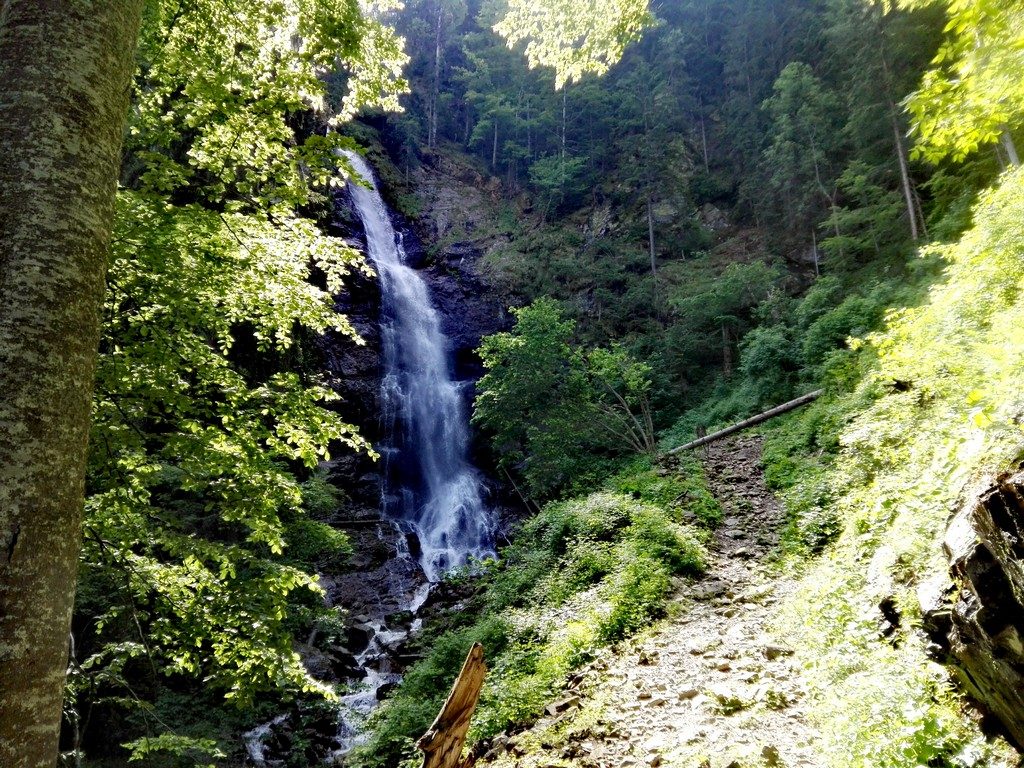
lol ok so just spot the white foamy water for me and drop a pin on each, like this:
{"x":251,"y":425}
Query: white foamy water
{"x":430,"y":484}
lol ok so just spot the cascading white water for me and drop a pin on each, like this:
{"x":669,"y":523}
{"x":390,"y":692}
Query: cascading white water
{"x":430,"y":486}
{"x":430,"y":489}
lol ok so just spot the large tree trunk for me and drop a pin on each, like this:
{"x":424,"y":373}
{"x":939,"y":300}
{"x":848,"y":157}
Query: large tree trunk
{"x":442,"y":744}
{"x":703,"y":438}
{"x":65,"y":72}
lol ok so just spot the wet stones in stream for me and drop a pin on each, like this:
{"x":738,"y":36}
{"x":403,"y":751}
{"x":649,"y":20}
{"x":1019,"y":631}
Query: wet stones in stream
{"x":380,"y":595}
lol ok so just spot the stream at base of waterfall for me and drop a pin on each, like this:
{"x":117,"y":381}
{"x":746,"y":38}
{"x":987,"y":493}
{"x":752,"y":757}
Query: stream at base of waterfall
{"x":433,"y":498}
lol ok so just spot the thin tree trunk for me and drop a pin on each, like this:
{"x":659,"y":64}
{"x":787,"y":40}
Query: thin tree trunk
{"x":920,"y":210}
{"x":436,"y":85}
{"x":814,"y":247}
{"x":908,"y":192}
{"x":914,"y":212}
{"x":825,"y":193}
{"x":529,"y":132}
{"x":564,"y":95}
{"x":650,"y":237}
{"x":650,"y":248}
{"x":1011,"y":149}
{"x":727,"y":365}
{"x":704,"y":136}
{"x":65,"y":70}
{"x":494,"y":146}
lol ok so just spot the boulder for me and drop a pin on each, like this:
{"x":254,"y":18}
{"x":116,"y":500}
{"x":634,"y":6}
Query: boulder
{"x":319,"y":664}
{"x":983,"y":619}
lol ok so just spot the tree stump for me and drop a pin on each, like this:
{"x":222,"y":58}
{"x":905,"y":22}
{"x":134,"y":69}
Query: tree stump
{"x":442,"y":743}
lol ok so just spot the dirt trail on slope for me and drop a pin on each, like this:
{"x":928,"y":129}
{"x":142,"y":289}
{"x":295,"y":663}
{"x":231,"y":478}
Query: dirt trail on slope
{"x":708,"y":687}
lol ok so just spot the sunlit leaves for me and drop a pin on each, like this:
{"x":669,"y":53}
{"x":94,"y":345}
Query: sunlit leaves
{"x":939,"y":407}
{"x":975,"y":92}
{"x":574,"y":38}
{"x":221,"y":79}
{"x":207,"y":414}
{"x":552,"y":409}
{"x":183,"y":439}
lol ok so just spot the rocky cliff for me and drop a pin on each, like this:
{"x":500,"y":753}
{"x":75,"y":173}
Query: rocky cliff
{"x":979,"y":616}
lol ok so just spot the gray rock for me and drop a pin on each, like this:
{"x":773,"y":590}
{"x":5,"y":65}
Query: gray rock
{"x":772,"y":652}
{"x":709,"y":590}
{"x":563,"y":705}
{"x":985,"y":546}
{"x":319,"y":664}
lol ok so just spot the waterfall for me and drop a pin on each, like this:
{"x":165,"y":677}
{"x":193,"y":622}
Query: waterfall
{"x":430,"y":486}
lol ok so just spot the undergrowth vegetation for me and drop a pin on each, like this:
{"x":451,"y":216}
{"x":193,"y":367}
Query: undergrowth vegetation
{"x":938,"y":403}
{"x":582,"y":574}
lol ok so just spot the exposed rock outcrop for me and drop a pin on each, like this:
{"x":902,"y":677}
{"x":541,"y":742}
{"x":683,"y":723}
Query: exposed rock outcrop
{"x":982,"y":615}
{"x":458,"y":211}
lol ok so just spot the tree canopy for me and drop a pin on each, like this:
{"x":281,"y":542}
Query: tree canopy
{"x":574,"y":38}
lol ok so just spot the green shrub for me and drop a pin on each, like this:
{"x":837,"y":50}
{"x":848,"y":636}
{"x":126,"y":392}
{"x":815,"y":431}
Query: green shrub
{"x":855,"y":316}
{"x":316,"y":544}
{"x":769,"y":362}
{"x":636,"y":592}
{"x":938,"y":404}
{"x":320,"y":498}
{"x":675,"y":546}
{"x":683,"y":493}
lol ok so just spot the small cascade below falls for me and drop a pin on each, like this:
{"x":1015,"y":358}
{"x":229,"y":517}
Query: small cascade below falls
{"x":430,"y":485}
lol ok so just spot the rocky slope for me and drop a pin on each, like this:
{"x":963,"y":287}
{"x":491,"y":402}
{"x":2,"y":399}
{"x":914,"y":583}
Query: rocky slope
{"x":710,"y":686}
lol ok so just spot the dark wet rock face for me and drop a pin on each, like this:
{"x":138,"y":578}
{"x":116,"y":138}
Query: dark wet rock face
{"x":468,"y":306}
{"x":981,"y":618}
{"x":458,"y":208}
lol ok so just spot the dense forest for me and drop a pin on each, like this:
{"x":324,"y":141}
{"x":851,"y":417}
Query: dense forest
{"x":346,"y":419}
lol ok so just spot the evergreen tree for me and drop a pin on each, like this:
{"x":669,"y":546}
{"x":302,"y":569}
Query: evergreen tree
{"x":804,"y":155}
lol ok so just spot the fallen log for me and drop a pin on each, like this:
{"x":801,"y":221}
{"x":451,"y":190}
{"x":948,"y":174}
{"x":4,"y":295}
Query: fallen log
{"x":442,"y":743}
{"x":751,"y":422}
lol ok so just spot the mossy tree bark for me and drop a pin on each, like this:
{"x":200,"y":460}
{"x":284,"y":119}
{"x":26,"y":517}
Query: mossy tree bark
{"x":65,"y":72}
